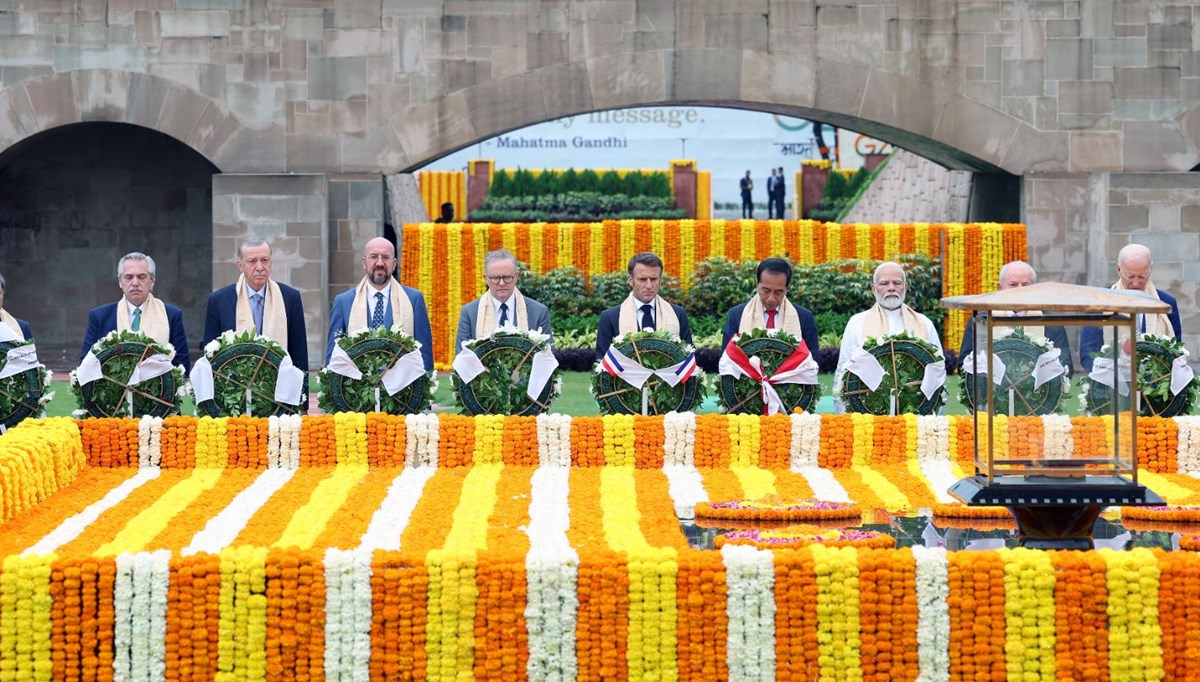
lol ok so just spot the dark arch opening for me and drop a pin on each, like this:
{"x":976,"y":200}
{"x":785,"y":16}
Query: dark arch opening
{"x":74,"y":199}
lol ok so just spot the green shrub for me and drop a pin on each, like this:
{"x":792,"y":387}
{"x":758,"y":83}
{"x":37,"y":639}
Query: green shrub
{"x":563,"y":290}
{"x":718,"y":284}
{"x":835,"y":186}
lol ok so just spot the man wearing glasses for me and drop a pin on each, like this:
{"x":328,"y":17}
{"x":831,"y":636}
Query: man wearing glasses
{"x":770,"y":308}
{"x":502,"y":305}
{"x":379,"y":300}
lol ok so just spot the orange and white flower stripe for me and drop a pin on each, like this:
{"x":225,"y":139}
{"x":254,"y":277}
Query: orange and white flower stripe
{"x":274,"y":515}
{"x":223,"y":528}
{"x":71,"y":527}
{"x":137,"y":534}
{"x":309,"y":521}
{"x":393,"y":514}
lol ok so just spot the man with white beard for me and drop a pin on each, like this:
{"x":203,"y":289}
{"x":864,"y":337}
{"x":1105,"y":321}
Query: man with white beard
{"x":889,"y":315}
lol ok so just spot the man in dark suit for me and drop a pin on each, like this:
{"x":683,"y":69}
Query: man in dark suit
{"x":780,"y":194}
{"x":767,"y":309}
{"x":257,"y":302}
{"x":19,"y":328}
{"x":503,"y":303}
{"x":379,"y":300}
{"x":1133,"y":274}
{"x":139,"y":311}
{"x":644,"y":309}
{"x":1012,"y":275}
{"x":746,"y":185}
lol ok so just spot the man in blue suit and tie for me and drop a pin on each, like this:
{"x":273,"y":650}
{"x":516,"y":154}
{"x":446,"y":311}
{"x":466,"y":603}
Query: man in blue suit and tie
{"x":380,"y":301}
{"x":20,"y":328}
{"x":1133,"y":274}
{"x":260,"y":303}
{"x":139,"y":311}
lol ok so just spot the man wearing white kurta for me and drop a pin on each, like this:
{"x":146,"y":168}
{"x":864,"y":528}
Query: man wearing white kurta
{"x":889,"y":315}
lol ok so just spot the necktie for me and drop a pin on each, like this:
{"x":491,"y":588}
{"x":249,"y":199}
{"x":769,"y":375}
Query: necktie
{"x":377,"y":316}
{"x":647,"y":318}
{"x":257,"y":301}
{"x":503,"y":314}
{"x":137,"y":319}
{"x":771,"y":319}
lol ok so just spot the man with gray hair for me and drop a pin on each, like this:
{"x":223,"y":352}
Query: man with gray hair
{"x":1015,"y":274}
{"x":138,"y":311}
{"x":502,"y":304}
{"x":889,"y":315}
{"x":18,"y":330}
{"x":1133,"y":274}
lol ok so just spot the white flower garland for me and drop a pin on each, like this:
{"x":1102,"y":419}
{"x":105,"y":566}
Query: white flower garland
{"x":421,"y":442}
{"x":222,"y":529}
{"x":554,"y":439}
{"x":391,"y":518}
{"x":552,"y":573}
{"x":679,"y":438}
{"x":283,"y":441}
{"x":140,"y":627}
{"x":1189,"y":445}
{"x":933,"y":613}
{"x":149,"y":441}
{"x":750,"y":607}
{"x":74,"y":526}
{"x":933,"y":455}
{"x":1057,"y":441}
{"x":347,"y":615}
{"x":685,"y":485}
{"x":823,"y":484}
{"x":806,"y":440}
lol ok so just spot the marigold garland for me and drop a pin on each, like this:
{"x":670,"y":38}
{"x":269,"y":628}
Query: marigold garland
{"x":803,"y":535}
{"x":778,"y":508}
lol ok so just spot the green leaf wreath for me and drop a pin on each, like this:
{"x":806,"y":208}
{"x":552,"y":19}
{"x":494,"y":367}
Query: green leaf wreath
{"x":240,"y":361}
{"x":1155,"y":355}
{"x":903,"y":357}
{"x":743,"y":395}
{"x":119,"y":352}
{"x":653,"y":350}
{"x":508,"y":355}
{"x":25,"y":394}
{"x":1019,"y":353}
{"x":373,"y":352}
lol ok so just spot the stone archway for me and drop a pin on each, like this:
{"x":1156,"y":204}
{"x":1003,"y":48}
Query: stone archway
{"x":75,"y":198}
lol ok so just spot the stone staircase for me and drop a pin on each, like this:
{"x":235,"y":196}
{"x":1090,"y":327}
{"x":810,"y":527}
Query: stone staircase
{"x":912,"y":189}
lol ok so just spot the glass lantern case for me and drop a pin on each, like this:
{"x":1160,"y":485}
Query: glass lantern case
{"x":1055,"y":475}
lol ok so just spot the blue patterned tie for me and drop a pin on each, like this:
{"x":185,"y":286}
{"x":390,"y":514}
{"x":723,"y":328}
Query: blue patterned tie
{"x":377,"y":316}
{"x":257,"y":299}
{"x":503,"y":314}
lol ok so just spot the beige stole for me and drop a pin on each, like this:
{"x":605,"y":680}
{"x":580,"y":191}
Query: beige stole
{"x":364,"y":295}
{"x":1156,"y":323}
{"x":754,"y":316}
{"x":1033,"y":331}
{"x":154,"y":319}
{"x":485,"y":315}
{"x":275,"y":322}
{"x":11,"y":321}
{"x":664,"y":316}
{"x":875,"y":325}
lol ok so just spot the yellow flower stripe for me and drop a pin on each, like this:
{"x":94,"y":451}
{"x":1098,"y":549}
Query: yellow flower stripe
{"x":619,"y":447}
{"x":25,"y":624}
{"x":892,"y":497}
{"x":716,"y":238}
{"x":864,"y":438}
{"x":242,"y":628}
{"x":454,"y":300}
{"x":839,"y":624}
{"x":862,"y":241}
{"x":212,"y":448}
{"x":1028,"y":614}
{"x":310,"y":520}
{"x":749,"y":234}
{"x":489,"y":443}
{"x":891,"y":239}
{"x":745,"y":439}
{"x":1134,"y":633}
{"x":536,"y":252}
{"x":452,"y":592}
{"x":143,"y":528}
{"x":833,"y":242}
{"x":687,"y":251}
{"x":37,"y":458}
{"x":755,"y":482}
{"x":1172,"y":488}
{"x":351,"y":430}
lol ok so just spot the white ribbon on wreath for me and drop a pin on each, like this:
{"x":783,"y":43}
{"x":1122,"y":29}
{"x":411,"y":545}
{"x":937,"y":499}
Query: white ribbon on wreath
{"x":399,"y":375}
{"x":289,"y":381}
{"x":866,"y":367}
{"x":19,"y":359}
{"x":468,"y":366}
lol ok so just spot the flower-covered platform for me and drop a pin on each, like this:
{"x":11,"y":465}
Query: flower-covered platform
{"x":436,"y":547}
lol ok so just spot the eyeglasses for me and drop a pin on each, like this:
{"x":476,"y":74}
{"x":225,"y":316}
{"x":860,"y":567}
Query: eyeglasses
{"x":894,"y":282}
{"x":500,"y":279}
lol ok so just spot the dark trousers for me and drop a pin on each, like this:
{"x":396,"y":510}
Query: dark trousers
{"x":777,"y":201}
{"x":747,"y":206}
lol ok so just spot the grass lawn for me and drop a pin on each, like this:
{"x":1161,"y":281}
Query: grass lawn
{"x":575,"y":399}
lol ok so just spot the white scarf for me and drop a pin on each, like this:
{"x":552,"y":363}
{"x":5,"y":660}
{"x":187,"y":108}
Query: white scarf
{"x":664,"y":315}
{"x":402,"y":310}
{"x":11,"y":321}
{"x":754,"y":317}
{"x":154,"y":322}
{"x":275,"y":323}
{"x":875,"y":325}
{"x":1156,"y":323}
{"x":485,"y":317}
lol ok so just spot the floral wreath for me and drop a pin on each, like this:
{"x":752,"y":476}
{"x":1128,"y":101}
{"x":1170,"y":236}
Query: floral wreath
{"x":119,"y":353}
{"x":1156,"y":354}
{"x":24,"y":394}
{"x":903,"y":358}
{"x":743,"y":395}
{"x":777,"y":508}
{"x":803,"y":535}
{"x":241,"y":361}
{"x":653,"y":350}
{"x":374,"y":351}
{"x":508,"y":355}
{"x":1020,"y":354}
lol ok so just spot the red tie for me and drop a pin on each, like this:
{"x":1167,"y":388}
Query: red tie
{"x":771,"y":319}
